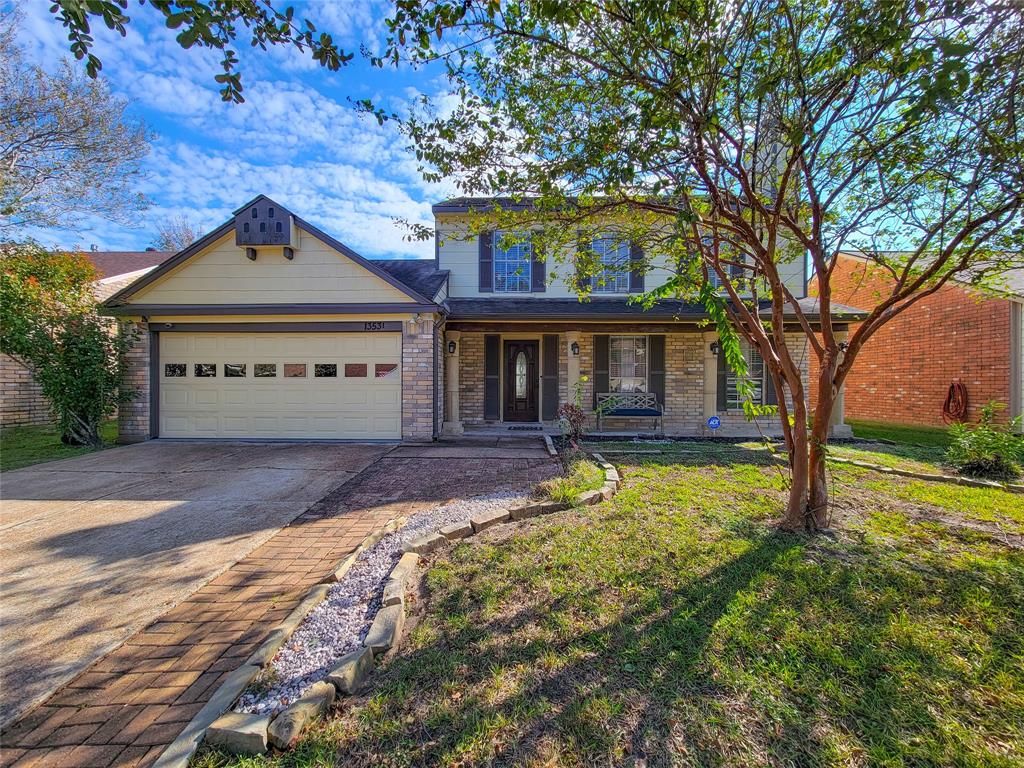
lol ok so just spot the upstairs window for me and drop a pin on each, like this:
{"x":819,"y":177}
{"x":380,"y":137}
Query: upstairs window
{"x":512,"y":264}
{"x":613,"y":274}
{"x":627,"y":358}
{"x":725,"y":251}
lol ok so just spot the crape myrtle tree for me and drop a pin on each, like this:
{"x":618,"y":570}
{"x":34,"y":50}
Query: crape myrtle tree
{"x":731,"y":140}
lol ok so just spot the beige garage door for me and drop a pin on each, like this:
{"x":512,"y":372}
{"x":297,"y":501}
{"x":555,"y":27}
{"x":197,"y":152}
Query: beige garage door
{"x":281,"y":385}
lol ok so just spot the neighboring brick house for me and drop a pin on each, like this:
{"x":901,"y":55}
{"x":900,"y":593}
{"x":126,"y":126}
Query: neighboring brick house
{"x":21,"y":400}
{"x":903,"y":373}
{"x":268,"y":327}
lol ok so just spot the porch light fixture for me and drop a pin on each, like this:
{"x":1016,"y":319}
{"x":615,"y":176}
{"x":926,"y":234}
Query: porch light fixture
{"x":575,"y":349}
{"x":715,"y":346}
{"x":451,"y":347}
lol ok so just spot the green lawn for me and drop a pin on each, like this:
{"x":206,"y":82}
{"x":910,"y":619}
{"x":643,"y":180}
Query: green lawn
{"x":675,"y":625}
{"x":23,"y":446}
{"x":873,"y":430}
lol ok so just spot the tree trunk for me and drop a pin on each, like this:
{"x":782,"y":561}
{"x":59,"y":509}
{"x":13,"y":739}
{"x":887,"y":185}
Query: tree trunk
{"x":807,"y":508}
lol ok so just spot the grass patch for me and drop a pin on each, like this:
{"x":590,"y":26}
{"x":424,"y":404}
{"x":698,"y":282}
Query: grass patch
{"x":581,"y":475}
{"x":937,"y":437}
{"x":676,"y":624}
{"x":24,"y":446}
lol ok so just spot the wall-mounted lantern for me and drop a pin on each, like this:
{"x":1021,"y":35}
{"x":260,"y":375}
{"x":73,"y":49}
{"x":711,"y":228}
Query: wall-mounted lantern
{"x":250,"y":254}
{"x":451,"y":347}
{"x":575,"y":349}
{"x":715,"y":346}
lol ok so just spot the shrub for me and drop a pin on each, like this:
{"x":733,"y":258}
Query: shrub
{"x":987,"y":449}
{"x":572,"y":418}
{"x":580,"y":475}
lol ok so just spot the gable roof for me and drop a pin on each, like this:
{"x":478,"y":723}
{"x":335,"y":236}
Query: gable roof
{"x":421,"y":275}
{"x":114,"y":263}
{"x":199,"y":245}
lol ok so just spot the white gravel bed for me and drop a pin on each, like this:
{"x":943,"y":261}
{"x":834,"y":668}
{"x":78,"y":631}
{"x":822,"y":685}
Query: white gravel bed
{"x":339,"y":624}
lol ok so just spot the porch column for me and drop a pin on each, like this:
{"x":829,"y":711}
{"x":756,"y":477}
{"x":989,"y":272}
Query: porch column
{"x":571,"y":338}
{"x":837,"y":426}
{"x":710,"y":378}
{"x":452,"y":421}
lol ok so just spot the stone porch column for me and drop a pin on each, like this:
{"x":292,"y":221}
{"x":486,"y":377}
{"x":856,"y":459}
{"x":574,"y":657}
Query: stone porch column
{"x":573,"y":375}
{"x":452,"y":423}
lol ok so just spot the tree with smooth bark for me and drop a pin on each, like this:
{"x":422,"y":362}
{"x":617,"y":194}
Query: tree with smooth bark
{"x":732,"y":140}
{"x":175,"y":234}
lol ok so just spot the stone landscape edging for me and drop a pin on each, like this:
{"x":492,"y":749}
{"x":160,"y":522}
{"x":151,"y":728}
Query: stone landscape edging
{"x":187,"y":742}
{"x":246,"y":733}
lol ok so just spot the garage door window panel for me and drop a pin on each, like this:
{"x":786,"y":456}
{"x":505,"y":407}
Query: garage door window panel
{"x":175,"y":370}
{"x":355,"y":370}
{"x":234,"y":370}
{"x":265,"y":370}
{"x":385,"y":370}
{"x":205,"y":370}
{"x":325,"y":371}
{"x":295,"y":370}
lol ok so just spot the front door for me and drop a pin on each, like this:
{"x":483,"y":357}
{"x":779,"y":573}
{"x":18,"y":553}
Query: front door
{"x":521,"y":381}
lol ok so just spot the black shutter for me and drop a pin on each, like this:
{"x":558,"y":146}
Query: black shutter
{"x":600,"y":366}
{"x":492,"y":376}
{"x":723,"y":380}
{"x":636,"y":262}
{"x":538,"y":272}
{"x":549,"y":376}
{"x":770,"y":396}
{"x":656,"y":366}
{"x":582,"y":281}
{"x":485,"y":243}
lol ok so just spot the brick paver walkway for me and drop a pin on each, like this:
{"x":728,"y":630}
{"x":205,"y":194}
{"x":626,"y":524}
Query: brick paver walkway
{"x":127,"y":707}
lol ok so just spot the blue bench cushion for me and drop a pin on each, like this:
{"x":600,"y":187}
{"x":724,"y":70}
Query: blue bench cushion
{"x":632,"y":412}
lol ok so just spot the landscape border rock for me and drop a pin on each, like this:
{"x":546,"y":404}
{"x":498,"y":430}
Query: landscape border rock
{"x":232,"y":728}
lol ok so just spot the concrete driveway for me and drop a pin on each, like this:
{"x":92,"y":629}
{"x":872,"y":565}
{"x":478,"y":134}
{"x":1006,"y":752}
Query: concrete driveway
{"x":95,"y":547}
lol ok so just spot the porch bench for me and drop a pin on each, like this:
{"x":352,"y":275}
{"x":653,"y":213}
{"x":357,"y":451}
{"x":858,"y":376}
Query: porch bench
{"x":630,"y":405}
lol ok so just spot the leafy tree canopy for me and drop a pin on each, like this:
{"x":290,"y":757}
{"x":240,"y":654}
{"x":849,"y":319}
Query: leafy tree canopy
{"x":215,"y":25}
{"x":734,"y":140}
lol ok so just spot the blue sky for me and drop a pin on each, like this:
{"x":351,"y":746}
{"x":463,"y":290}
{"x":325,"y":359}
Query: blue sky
{"x":297,"y":138}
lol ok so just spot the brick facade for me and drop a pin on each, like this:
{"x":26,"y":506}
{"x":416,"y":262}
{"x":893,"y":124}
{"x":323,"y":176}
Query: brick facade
{"x":903,"y":373}
{"x":21,"y":399}
{"x":419,"y":355}
{"x":690,"y":381}
{"x":133,"y":416}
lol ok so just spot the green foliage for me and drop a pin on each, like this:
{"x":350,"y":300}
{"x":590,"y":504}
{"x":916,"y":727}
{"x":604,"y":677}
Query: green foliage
{"x":987,"y":449}
{"x":580,"y":475}
{"x":214,"y":25}
{"x":49,"y":324}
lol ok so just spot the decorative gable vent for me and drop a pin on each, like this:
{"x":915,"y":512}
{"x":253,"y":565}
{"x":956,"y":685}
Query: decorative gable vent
{"x":264,"y":223}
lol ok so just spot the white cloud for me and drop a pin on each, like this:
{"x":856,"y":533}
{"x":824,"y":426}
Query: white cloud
{"x":296,"y":138}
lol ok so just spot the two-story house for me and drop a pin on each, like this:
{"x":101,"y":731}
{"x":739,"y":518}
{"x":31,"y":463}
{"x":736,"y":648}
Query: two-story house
{"x":268,"y":327}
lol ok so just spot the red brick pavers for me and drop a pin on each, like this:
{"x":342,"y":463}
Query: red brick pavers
{"x":125,"y":709}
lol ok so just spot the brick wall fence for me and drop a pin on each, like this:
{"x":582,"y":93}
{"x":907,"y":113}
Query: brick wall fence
{"x":903,"y":373}
{"x":21,"y":400}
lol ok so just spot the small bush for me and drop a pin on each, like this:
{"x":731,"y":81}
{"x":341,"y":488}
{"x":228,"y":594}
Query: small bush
{"x":572,"y":419}
{"x":988,"y":450}
{"x":580,"y":475}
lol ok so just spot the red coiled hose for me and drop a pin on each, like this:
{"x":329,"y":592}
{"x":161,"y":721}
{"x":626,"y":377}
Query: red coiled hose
{"x":955,"y":407}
